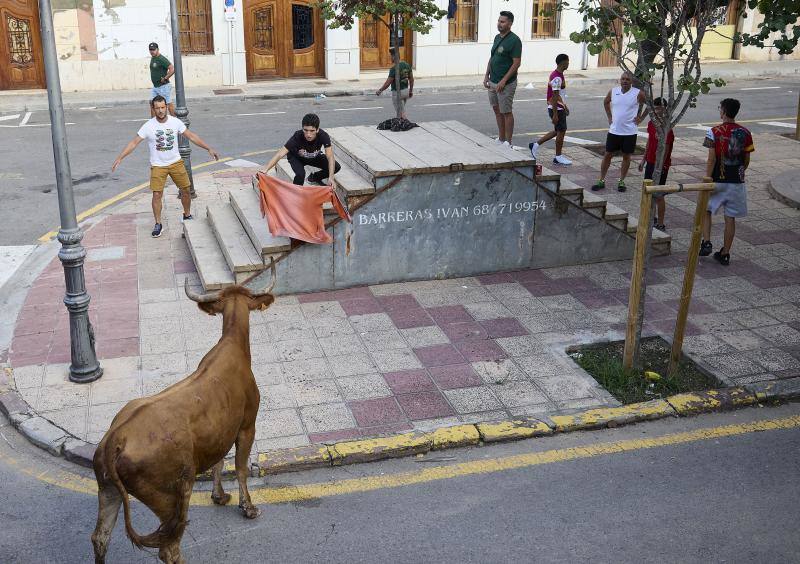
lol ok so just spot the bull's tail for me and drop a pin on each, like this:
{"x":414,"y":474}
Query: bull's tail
{"x":151,"y":540}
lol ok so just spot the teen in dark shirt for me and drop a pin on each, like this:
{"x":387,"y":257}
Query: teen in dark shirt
{"x":309,"y":146}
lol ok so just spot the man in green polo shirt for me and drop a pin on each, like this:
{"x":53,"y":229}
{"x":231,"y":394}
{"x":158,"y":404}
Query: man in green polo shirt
{"x":160,"y":72}
{"x":501,"y":76}
{"x":406,"y":87}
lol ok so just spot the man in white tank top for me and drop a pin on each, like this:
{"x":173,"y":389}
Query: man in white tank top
{"x":623,"y":106}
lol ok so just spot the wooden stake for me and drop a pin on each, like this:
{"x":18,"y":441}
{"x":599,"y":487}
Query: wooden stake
{"x":688,"y":279}
{"x":640,"y":253}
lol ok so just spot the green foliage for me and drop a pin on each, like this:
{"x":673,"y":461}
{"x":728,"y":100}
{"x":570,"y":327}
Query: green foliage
{"x":779,"y":16}
{"x":417,"y":15}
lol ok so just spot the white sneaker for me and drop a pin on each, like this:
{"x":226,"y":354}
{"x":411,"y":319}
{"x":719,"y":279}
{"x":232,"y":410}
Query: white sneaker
{"x":562,"y":160}
{"x":497,"y":141}
{"x":507,"y":144}
{"x":534,"y":149}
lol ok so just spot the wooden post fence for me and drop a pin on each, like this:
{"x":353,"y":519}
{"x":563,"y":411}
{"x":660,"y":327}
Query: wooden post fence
{"x":635,"y":309}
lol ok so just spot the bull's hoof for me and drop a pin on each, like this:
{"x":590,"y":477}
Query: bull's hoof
{"x":251,"y":512}
{"x":221,"y":499}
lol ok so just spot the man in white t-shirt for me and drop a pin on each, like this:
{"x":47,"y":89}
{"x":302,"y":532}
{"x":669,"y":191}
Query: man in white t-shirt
{"x":161,"y":133}
{"x":623,"y":106}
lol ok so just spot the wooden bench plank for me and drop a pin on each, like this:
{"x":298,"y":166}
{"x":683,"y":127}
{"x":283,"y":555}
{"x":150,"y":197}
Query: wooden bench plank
{"x":372,"y":159}
{"x":516,"y":157}
{"x":472,"y":152}
{"x":408,"y":161}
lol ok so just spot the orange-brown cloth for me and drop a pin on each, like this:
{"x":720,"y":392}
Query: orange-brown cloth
{"x":296,"y":211}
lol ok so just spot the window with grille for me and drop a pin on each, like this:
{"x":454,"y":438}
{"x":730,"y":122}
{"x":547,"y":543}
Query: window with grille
{"x":464,"y":23}
{"x":194,"y":24}
{"x":546,"y":19}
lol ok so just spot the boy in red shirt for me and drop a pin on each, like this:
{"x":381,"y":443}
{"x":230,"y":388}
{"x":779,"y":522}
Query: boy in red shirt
{"x":557,"y":110}
{"x":729,"y":147}
{"x":649,"y":162}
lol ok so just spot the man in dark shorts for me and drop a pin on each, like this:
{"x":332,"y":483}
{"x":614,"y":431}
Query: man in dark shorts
{"x":310,"y":146}
{"x":557,"y":110}
{"x":623,"y":106}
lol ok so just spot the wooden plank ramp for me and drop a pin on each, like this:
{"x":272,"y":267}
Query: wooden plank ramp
{"x":517,"y":157}
{"x":375,"y":162}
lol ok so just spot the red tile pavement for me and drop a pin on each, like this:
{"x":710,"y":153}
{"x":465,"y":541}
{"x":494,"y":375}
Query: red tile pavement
{"x":439,"y":355}
{"x":497,"y":278}
{"x":595,"y":300}
{"x":312,"y":297}
{"x":454,"y":376}
{"x":465,"y":331}
{"x":381,"y":411}
{"x":389,"y":429}
{"x":410,"y":318}
{"x":424,"y":405}
{"x":540,"y":290}
{"x":335,"y":436}
{"x":443,"y":315}
{"x":531,"y":276}
{"x":477,"y":351}
{"x":361,"y":306}
{"x":409,"y":381}
{"x":398,"y":302}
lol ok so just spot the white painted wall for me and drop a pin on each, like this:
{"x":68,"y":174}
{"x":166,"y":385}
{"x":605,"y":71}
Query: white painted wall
{"x":750,"y":25}
{"x":342,"y":53}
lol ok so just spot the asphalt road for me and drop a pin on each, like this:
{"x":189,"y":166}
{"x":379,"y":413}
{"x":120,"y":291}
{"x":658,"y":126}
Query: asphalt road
{"x":235,"y":127}
{"x":725,"y":498}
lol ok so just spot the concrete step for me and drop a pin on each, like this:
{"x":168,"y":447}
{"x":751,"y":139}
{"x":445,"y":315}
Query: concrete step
{"x":207,"y":255}
{"x":591,"y":200}
{"x":616,"y":216}
{"x":239,"y":252}
{"x":247,"y":208}
{"x":567,"y":187}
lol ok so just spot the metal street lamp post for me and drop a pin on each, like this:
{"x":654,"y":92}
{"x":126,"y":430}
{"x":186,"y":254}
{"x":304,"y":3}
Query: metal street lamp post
{"x":84,"y":366}
{"x":181,"y":111}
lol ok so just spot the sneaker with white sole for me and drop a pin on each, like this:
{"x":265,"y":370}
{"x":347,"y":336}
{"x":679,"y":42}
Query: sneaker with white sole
{"x":534,"y":147}
{"x":156,"y":230}
{"x":507,"y":145}
{"x":496,"y":141}
{"x":562,"y":160}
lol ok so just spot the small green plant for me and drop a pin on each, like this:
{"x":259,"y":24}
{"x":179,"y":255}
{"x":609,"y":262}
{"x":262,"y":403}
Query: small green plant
{"x":604,"y":364}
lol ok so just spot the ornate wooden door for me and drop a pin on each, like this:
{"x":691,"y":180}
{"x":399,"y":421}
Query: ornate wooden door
{"x":284,"y":38}
{"x":21,"y":62}
{"x":376,"y":41}
{"x":608,"y":57}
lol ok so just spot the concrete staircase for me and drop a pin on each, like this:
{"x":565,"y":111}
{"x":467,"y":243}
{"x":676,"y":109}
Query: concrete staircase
{"x":233,"y":243}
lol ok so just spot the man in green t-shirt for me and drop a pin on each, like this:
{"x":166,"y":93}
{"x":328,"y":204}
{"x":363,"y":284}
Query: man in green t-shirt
{"x":501,"y":76}
{"x":406,"y":87}
{"x":160,"y":72}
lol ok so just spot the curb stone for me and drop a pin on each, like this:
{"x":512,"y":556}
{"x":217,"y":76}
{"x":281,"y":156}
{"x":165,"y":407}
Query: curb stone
{"x":60,"y":443}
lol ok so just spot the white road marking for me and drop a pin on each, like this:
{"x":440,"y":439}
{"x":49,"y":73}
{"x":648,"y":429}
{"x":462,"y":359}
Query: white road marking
{"x":253,"y":114}
{"x":88,"y":108}
{"x":241,"y":163}
{"x":452,"y":104}
{"x":132,"y":120}
{"x":532,"y":100}
{"x":353,"y":109}
{"x":579,"y":141}
{"x":11,"y":258}
{"x":6,"y":118}
{"x":25,"y":119}
{"x":778,"y":124}
{"x":603,"y":96}
{"x":697,"y":127}
{"x":762,"y":88}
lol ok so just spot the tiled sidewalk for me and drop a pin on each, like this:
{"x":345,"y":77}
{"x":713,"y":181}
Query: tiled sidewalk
{"x":383,"y":359}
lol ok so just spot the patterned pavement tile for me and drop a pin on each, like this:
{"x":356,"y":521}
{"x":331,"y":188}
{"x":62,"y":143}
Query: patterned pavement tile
{"x":277,"y":443}
{"x":396,"y":360}
{"x":120,"y":390}
{"x":464,"y":331}
{"x":311,"y":369}
{"x":315,"y":392}
{"x":409,"y":318}
{"x":388,"y":340}
{"x":518,"y":393}
{"x":476,"y":351}
{"x":439,"y":355}
{"x":331,"y":437}
{"x":504,"y":327}
{"x":445,"y":315}
{"x":322,"y":309}
{"x":371,"y":322}
{"x":783,"y":312}
{"x":471,"y":400}
{"x":566,"y":386}
{"x":342,"y":344}
{"x":409,"y":381}
{"x":734,"y":364}
{"x":498,"y":371}
{"x":277,"y":396}
{"x":328,"y":417}
{"x":363,"y":387}
{"x":483,"y":311}
{"x":278,"y":423}
{"x":372,"y":412}
{"x":361,"y":306}
{"x":330,"y":325}
{"x":29,"y":376}
{"x":752,"y":318}
{"x":775,"y":360}
{"x":742,"y":340}
{"x":522,"y":346}
{"x":268,"y":374}
{"x":454,"y":376}
{"x":780,"y":335}
{"x":424,"y":405}
{"x":541,"y":323}
{"x":419,"y":337}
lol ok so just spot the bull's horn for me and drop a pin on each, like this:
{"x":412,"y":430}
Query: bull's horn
{"x":198,"y":297}
{"x":272,"y":283}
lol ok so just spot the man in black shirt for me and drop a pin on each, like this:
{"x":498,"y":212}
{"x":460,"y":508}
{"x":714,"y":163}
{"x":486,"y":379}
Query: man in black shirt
{"x":309,"y":146}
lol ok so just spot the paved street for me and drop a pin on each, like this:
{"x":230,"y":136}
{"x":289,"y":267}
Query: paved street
{"x":731,"y":497}
{"x":237,"y":127}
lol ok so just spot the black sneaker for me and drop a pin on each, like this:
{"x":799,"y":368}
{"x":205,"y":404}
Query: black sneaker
{"x":621,"y":186}
{"x":601,"y":184}
{"x":188,"y":217}
{"x":156,"y":230}
{"x":313,"y":178}
{"x":724,"y":260}
{"x":705,"y":248}
{"x":661,"y":227}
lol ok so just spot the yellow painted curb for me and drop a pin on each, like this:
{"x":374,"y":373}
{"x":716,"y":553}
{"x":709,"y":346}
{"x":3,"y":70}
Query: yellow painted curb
{"x":512,"y":430}
{"x":456,"y":436}
{"x":350,"y":452}
{"x":711,"y":400}
{"x":293,"y":459}
{"x":613,"y":416}
{"x":228,"y":470}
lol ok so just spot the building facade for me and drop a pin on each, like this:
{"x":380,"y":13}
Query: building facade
{"x":102,"y":44}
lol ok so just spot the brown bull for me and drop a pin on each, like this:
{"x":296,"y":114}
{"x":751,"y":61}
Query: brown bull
{"x":155,"y":446}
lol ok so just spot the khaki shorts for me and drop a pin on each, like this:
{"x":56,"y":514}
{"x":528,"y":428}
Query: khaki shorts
{"x":176,"y":171}
{"x":505,"y":99}
{"x":400,"y":104}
